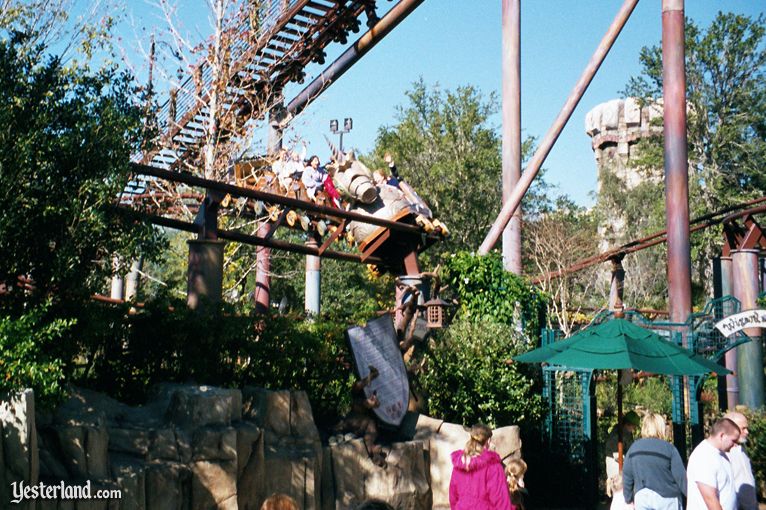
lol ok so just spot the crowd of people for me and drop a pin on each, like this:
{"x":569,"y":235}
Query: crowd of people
{"x":718,"y":475}
{"x":295,"y":173}
{"x":291,"y":168}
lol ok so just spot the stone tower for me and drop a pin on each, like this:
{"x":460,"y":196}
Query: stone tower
{"x":615,"y":127}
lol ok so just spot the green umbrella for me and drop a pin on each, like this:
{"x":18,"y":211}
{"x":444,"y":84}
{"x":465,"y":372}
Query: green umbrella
{"x":620,"y":344}
{"x":617,"y":345}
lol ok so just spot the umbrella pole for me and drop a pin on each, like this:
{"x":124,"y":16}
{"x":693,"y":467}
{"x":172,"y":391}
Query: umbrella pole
{"x":619,"y":419}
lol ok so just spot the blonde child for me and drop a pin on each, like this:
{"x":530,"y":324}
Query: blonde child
{"x":514,"y":473}
{"x":614,"y":489}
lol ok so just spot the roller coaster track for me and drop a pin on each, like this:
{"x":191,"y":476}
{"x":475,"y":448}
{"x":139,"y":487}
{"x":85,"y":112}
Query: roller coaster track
{"x":290,"y":35}
{"x":734,"y":232}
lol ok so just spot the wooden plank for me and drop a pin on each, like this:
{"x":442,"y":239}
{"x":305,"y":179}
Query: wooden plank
{"x":367,"y":253}
{"x":276,"y":224}
{"x":331,"y":239}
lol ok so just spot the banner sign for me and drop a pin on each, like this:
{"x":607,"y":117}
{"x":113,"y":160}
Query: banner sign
{"x":376,"y":345}
{"x":742,"y":320}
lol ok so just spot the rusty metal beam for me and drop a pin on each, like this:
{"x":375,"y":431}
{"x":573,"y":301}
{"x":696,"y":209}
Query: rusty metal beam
{"x":555,"y":130}
{"x":676,"y":162}
{"x":352,"y":55}
{"x":702,"y":222}
{"x":511,"y":13}
{"x":262,"y":293}
{"x":332,"y":237}
{"x":232,"y":235}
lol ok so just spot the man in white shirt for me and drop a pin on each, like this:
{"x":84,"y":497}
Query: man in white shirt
{"x":744,"y":481}
{"x":709,"y":475}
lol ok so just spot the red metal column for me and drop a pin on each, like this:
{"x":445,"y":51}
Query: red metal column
{"x":676,"y":165}
{"x":676,"y":181}
{"x":262,"y":279}
{"x":555,"y":130}
{"x":511,"y":13}
{"x":749,"y":355}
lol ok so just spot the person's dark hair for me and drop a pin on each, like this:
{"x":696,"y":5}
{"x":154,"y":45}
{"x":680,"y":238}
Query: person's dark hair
{"x":724,"y":425}
{"x":374,"y":504}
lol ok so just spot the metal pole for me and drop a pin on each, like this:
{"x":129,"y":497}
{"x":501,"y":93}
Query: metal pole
{"x":262,"y":268}
{"x":749,"y":355}
{"x":676,"y":165}
{"x":131,"y":286}
{"x":676,"y":180}
{"x":732,"y":388}
{"x":276,"y":128}
{"x":555,"y":130}
{"x":262,"y":293}
{"x":617,"y":285}
{"x":117,"y":280}
{"x":511,"y":13}
{"x":349,"y":57}
{"x":313,"y":281}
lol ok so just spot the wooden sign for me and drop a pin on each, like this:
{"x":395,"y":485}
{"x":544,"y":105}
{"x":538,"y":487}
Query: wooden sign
{"x":742,"y":320}
{"x":376,"y":345}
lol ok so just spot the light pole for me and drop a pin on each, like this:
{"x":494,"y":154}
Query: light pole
{"x":348,"y":124}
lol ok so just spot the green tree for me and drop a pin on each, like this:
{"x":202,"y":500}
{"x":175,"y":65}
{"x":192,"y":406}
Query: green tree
{"x":446,"y":148}
{"x":65,"y":149}
{"x":469,"y":376}
{"x":726,"y":95}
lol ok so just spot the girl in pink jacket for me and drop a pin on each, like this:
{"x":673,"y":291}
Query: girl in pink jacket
{"x":478,"y":478}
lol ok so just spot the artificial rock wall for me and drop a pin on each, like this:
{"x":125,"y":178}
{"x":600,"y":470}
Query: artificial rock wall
{"x":199,"y":447}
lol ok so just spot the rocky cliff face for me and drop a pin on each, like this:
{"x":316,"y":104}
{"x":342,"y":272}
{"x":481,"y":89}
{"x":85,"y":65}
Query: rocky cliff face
{"x":201,"y":447}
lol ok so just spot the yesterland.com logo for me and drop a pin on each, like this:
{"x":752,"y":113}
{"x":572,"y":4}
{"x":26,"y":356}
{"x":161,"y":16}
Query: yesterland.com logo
{"x":22,"y":490}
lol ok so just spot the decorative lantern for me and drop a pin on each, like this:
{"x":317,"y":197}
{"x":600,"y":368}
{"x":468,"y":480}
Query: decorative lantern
{"x":436,"y":313}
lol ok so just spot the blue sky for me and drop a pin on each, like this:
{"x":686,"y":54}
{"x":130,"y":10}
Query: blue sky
{"x":458,"y":42}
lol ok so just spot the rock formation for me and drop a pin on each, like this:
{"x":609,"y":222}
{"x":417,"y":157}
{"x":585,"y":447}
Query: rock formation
{"x":202,"y":447}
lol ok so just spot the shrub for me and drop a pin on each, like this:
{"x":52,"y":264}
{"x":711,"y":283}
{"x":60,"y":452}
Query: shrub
{"x":756,"y":446}
{"x":487,"y":291}
{"x":25,"y":362}
{"x":125,"y":353}
{"x":470,"y":377}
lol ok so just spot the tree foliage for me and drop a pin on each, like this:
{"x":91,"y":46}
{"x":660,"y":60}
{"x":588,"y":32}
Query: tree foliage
{"x":74,"y":30}
{"x":756,"y":443}
{"x":469,"y":375}
{"x":486,"y":291}
{"x":726,"y":97}
{"x":65,"y":147}
{"x":446,"y":148}
{"x":470,"y":379}
{"x":126,"y":353}
{"x":26,"y":343}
